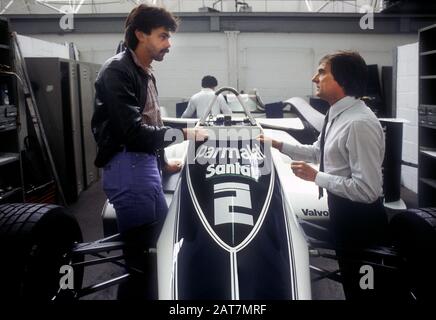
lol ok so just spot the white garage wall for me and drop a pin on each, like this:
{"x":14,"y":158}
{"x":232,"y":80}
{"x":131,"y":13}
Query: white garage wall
{"x":180,"y":74}
{"x":287,"y":62}
{"x":407,"y":108}
{"x":276,"y":72}
{"x":279,"y":65}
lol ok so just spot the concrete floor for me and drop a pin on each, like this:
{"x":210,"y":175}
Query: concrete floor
{"x":88,"y":212}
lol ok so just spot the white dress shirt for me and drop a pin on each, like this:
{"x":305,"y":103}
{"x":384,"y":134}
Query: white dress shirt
{"x":353,"y":152}
{"x":200,"y":101}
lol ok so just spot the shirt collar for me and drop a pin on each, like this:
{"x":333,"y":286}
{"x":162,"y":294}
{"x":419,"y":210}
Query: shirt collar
{"x":341,"y":105}
{"x":147,"y":70}
{"x":206,"y":89}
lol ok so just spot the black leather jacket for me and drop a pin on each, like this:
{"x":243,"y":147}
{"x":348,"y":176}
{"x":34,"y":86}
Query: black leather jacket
{"x":120,"y":96}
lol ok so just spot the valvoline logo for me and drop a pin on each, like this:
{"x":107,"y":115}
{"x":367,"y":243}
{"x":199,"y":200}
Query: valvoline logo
{"x":315,"y":213}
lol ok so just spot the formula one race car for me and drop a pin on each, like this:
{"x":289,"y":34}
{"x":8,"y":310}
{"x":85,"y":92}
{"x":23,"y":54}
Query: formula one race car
{"x":240,"y":226}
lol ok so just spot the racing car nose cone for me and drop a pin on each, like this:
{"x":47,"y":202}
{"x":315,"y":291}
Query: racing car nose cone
{"x":229,"y":195}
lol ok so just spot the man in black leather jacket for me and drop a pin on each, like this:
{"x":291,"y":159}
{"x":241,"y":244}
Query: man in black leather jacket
{"x":121,"y":94}
{"x":128,"y":128}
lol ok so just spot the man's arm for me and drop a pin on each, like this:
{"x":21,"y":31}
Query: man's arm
{"x":365,"y":145}
{"x":189,"y":110}
{"x":116,"y":89}
{"x":169,"y":166}
{"x":303,"y":152}
{"x":224,"y":107}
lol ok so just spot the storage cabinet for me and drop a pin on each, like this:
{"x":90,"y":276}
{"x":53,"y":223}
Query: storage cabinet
{"x":11,"y":176}
{"x":64,"y":92}
{"x":427,"y":118}
{"x":87,"y":75}
{"x":55,"y":84}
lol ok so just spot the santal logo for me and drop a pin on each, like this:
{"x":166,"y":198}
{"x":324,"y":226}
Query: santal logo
{"x":315,"y":213}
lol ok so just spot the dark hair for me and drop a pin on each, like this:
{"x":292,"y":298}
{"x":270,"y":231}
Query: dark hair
{"x":146,"y":18}
{"x":209,"y":82}
{"x":349,"y":70}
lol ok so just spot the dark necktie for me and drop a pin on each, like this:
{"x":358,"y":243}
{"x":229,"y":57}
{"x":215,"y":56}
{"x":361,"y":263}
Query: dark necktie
{"x":321,"y":159}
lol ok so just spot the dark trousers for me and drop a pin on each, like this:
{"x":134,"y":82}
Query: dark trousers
{"x":133,"y":185}
{"x":142,"y":284}
{"x":355,"y":226}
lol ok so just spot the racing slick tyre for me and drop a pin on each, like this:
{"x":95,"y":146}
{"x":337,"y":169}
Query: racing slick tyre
{"x":414,"y":234}
{"x":35,"y":242}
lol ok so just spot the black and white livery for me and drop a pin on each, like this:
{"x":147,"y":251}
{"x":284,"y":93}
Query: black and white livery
{"x":240,"y":225}
{"x":230,"y":231}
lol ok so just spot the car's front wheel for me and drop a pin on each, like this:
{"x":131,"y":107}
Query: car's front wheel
{"x":35,"y":243}
{"x":414,"y":234}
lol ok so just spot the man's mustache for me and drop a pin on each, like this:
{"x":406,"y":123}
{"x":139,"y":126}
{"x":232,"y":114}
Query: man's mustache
{"x":165,"y":51}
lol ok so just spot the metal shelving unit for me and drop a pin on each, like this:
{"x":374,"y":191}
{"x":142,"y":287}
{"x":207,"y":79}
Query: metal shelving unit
{"x":427,"y":118}
{"x":11,"y":173}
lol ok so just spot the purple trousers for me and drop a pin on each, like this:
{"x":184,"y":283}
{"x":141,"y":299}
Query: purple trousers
{"x":132,"y":183}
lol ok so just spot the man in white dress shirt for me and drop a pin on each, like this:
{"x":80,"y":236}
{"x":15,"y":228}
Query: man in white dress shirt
{"x":200,"y":101}
{"x":350,"y":150}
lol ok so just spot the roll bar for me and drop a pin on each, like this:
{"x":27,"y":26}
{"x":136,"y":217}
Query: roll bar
{"x":214,"y":100}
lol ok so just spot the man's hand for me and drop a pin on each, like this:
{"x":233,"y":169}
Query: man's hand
{"x":275,"y":143}
{"x":304,"y":171}
{"x":172,"y":166}
{"x":198,"y":134}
